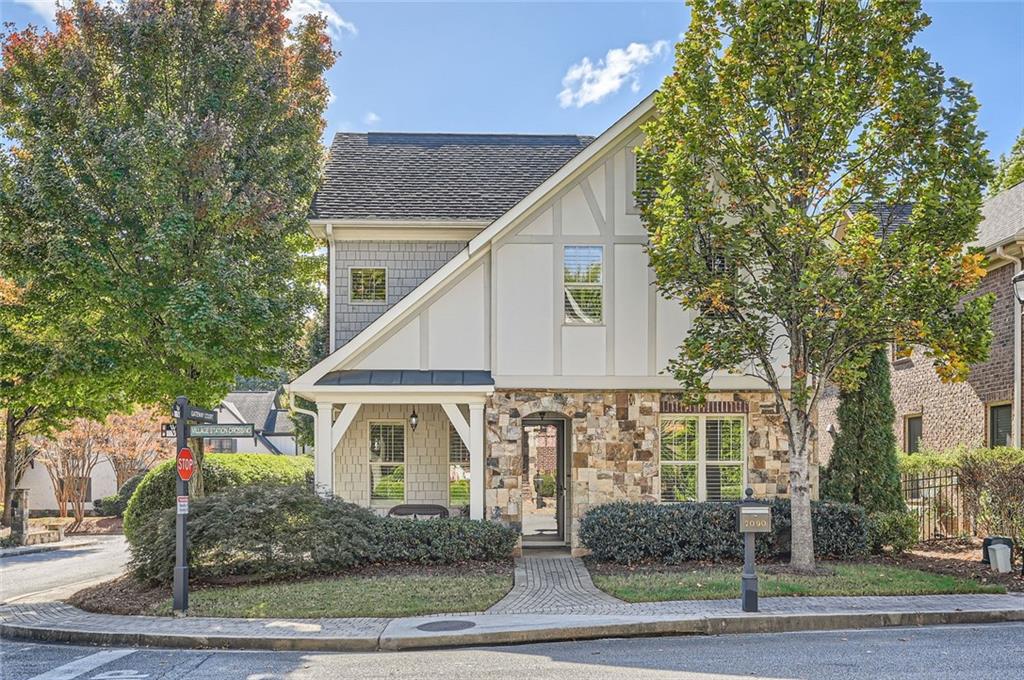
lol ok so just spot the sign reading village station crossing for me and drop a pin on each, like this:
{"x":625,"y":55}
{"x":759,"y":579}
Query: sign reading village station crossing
{"x":244,"y":430}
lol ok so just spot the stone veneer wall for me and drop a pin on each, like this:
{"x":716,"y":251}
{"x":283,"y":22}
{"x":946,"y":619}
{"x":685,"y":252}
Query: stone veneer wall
{"x":614,"y":448}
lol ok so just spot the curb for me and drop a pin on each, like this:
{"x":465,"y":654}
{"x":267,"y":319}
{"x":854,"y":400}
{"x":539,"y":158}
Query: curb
{"x":726,"y":625}
{"x":42,"y":548}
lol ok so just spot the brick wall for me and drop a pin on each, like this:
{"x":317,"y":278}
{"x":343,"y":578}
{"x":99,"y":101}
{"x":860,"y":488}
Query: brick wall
{"x":408,"y":263}
{"x":954,"y":414}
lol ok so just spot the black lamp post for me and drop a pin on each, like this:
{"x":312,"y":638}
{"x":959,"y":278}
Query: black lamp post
{"x":1018,"y":287}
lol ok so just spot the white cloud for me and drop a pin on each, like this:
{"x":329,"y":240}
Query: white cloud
{"x":47,"y":9}
{"x":331,"y":97}
{"x":336,"y":24}
{"x":588,"y":83}
{"x":371,"y":118}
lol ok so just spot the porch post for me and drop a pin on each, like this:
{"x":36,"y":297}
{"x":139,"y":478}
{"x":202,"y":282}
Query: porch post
{"x":323,"y":451}
{"x":476,"y":461}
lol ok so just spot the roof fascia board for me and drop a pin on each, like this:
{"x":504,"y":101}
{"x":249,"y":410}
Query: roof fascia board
{"x":480,"y":244}
{"x":396,"y":394}
{"x":322,"y":227}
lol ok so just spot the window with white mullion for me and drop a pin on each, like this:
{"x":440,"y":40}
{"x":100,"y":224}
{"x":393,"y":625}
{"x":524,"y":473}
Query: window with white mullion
{"x":458,"y":470}
{"x":387,"y":463}
{"x":702,"y":458}
{"x":583,"y":278}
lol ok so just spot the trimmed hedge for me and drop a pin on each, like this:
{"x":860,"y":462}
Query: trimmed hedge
{"x":221,"y":471}
{"x":627,"y":532}
{"x":896,"y":531}
{"x":280,"y":531}
{"x":115,"y":505}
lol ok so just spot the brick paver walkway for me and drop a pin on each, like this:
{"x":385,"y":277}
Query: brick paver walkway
{"x":553,"y":583}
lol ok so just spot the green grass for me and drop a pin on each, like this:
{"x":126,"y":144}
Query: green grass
{"x":724,"y":582}
{"x":386,"y":596}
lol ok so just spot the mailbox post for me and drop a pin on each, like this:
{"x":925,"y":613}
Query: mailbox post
{"x":752,"y":518}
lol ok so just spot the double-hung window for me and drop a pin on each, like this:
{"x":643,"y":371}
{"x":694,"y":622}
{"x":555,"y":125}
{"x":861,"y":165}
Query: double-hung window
{"x":387,"y":463}
{"x":458,"y":470}
{"x":368,"y":285}
{"x":999,"y":425}
{"x":913,"y":430}
{"x":703,"y":458}
{"x":583,"y":276}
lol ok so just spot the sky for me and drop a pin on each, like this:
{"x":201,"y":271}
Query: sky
{"x":575,"y":67}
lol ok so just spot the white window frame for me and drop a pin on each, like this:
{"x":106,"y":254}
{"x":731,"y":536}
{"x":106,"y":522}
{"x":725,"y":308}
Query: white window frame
{"x":599,"y":286}
{"x":351,"y":288}
{"x":988,"y":422}
{"x":453,"y":436}
{"x":701,"y":463}
{"x":370,"y":464}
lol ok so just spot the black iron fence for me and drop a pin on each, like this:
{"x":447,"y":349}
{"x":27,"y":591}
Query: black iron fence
{"x":935,"y":497}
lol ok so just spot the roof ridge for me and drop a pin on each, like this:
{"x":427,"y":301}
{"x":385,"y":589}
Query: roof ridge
{"x":576,"y":135}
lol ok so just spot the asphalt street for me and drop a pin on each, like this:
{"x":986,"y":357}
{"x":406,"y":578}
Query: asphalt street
{"x":990,"y":651}
{"x":59,"y":573}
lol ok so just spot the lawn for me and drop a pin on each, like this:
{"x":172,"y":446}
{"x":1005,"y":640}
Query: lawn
{"x":718,"y":583}
{"x":385,"y":596}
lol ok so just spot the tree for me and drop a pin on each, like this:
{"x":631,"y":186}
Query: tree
{"x":70,"y":457}
{"x":781,"y":118}
{"x":1010,"y":171}
{"x":133,"y":443}
{"x":169,"y":150}
{"x":23,"y":453}
{"x":864,"y":468}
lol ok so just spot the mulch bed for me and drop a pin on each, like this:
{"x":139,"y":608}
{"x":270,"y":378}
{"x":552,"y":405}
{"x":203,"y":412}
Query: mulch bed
{"x":125,"y":595}
{"x":99,"y":526}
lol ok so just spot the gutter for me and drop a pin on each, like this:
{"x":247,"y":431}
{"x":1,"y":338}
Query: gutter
{"x":1015,"y":425}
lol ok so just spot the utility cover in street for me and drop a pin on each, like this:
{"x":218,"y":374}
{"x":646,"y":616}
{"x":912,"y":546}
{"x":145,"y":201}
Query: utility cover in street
{"x":226,"y":430}
{"x":186,"y":464}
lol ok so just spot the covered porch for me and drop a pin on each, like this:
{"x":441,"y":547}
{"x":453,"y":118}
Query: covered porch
{"x":393,"y":437}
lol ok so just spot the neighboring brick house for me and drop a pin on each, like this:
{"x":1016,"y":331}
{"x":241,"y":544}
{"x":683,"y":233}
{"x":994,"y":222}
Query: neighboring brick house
{"x":485,"y":287}
{"x":980,"y":411}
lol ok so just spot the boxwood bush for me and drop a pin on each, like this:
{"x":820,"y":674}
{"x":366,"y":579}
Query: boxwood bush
{"x":627,"y":532}
{"x":279,"y":531}
{"x":221,"y":471}
{"x":115,"y":504}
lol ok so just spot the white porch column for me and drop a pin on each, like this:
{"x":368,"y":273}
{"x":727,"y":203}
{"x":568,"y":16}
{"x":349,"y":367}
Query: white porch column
{"x":476,"y":461}
{"x":323,"y":450}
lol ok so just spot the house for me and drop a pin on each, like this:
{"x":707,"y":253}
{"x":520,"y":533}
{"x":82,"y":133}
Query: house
{"x":491,"y":300}
{"x":980,"y":411}
{"x":41,"y":496}
{"x":275,"y":431}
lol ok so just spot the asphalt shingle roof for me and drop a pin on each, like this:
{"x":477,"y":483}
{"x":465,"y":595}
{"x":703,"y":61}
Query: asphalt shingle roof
{"x":1002,"y":217}
{"x":890,"y":217}
{"x":257,"y":408}
{"x":436,"y":176}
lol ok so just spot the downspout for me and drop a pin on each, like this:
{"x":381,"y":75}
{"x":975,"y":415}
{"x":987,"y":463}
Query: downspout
{"x":296,"y":409}
{"x":1015,"y":424}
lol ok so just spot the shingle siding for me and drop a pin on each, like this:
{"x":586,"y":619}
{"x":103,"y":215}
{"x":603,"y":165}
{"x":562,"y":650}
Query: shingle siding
{"x":408,"y":264}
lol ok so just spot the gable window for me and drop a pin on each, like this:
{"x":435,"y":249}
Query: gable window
{"x":702,"y":458}
{"x":368,"y":284}
{"x":387,"y":463}
{"x":914,"y":430}
{"x":458,"y":470}
{"x":999,"y":425}
{"x":583,"y":275}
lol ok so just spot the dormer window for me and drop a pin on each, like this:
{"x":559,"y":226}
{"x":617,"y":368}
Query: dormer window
{"x":368,"y":285}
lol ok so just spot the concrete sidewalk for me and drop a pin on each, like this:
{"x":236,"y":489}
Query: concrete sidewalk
{"x":57,"y":622}
{"x":66,"y":544}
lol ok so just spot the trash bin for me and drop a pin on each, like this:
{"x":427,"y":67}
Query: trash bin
{"x":994,"y":540}
{"x":999,"y":558}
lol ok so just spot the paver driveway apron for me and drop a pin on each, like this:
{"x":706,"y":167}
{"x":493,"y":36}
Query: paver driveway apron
{"x":553,"y":582}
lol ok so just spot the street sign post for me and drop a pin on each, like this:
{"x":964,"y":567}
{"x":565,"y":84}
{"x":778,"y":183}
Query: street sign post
{"x":186,"y":466}
{"x":233,"y":430}
{"x":752,"y":518}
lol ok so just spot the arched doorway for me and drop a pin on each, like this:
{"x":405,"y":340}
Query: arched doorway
{"x":545,"y":480}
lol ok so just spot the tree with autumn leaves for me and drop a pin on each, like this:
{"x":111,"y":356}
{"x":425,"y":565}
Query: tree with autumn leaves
{"x":158,"y":159}
{"x":784,"y":127}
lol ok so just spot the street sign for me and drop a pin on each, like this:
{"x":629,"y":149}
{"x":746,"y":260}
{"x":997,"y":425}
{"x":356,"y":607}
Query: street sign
{"x":167,"y":431}
{"x":201,"y":414}
{"x":246,"y":430}
{"x":182,"y":505}
{"x":186,"y":464}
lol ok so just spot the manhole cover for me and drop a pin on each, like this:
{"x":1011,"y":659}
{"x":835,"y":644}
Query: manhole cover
{"x":446,"y":625}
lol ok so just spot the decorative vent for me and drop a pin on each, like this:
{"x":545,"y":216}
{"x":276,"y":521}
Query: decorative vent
{"x":671,"y":403}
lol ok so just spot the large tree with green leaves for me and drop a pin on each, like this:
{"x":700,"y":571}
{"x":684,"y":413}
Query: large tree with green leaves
{"x":863,"y":468}
{"x":781,"y":119}
{"x":168,"y":150}
{"x":1010,"y":170}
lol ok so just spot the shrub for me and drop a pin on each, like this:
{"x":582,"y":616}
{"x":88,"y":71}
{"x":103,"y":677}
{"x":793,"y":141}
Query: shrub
{"x":221,"y":471}
{"x":117,"y":503}
{"x":441,"y":541}
{"x":627,"y":532}
{"x":894,"y":530}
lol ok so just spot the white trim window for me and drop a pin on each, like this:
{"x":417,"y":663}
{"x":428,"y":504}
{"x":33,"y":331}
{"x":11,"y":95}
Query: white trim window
{"x":703,"y":458}
{"x":458,"y":470}
{"x":583,"y":276}
{"x":367,"y":285}
{"x":387,"y":463}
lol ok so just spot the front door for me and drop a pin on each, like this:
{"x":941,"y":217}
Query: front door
{"x":544,"y":481}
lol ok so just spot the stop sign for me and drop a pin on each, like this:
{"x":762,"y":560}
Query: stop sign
{"x":186,"y":464}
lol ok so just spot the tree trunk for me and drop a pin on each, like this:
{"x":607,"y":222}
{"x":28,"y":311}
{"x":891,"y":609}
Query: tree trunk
{"x":802,"y":555}
{"x":10,"y":462}
{"x":196,"y":488}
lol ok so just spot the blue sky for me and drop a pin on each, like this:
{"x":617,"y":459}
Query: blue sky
{"x":576,"y":66}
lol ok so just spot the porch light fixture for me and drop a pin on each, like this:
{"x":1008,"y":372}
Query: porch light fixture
{"x":1018,"y":287}
{"x":375,"y":445}
{"x":414,"y":420}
